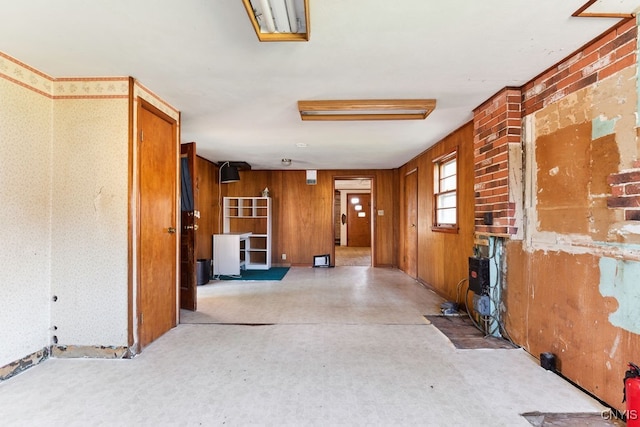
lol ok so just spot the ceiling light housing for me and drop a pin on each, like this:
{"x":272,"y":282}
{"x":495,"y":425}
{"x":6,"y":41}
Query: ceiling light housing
{"x":608,"y":9}
{"x":279,"y":20}
{"x":229,"y":171}
{"x":367,"y":109}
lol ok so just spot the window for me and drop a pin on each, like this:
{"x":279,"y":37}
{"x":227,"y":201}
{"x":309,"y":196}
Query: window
{"x":445,"y":196}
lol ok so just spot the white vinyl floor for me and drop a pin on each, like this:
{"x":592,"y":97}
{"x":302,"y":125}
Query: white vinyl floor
{"x":345,"y":346}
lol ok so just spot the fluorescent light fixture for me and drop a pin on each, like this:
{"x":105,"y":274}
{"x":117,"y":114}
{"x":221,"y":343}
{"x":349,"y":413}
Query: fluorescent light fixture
{"x":279,"y":20}
{"x":608,"y":9}
{"x":367,"y":109}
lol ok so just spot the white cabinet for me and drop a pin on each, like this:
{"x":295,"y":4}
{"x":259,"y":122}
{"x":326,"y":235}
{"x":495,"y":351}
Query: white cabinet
{"x":250,"y":215}
{"x":229,"y":253}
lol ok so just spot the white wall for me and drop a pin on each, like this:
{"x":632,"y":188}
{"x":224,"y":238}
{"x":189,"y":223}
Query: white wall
{"x":89,"y":221}
{"x":64,"y":190}
{"x":25,"y":214}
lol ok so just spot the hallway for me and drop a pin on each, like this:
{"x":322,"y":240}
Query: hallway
{"x":349,"y":255}
{"x":324,"y":346}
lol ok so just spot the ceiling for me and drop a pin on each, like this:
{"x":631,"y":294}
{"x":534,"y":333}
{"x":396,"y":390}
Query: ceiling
{"x":238,"y":96}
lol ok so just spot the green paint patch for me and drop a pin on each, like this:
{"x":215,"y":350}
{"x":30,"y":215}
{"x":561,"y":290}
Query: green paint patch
{"x":601,"y":127}
{"x":619,"y":280}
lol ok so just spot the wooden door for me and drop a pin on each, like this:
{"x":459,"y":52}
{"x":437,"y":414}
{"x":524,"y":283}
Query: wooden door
{"x":158,"y":165}
{"x":411,"y":232}
{"x":359,"y":220}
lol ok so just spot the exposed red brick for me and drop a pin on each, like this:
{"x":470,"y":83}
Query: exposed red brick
{"x":504,"y":111}
{"x":584,"y":62}
{"x":587,"y":81}
{"x":485,"y":148}
{"x":557,"y":77}
{"x":569,"y":80}
{"x":632,"y":215}
{"x":617,"y":190}
{"x":500,"y":173}
{"x":623,"y":202}
{"x":627,"y":61}
{"x":514,"y":98}
{"x":626,"y":49}
{"x":624,"y":177}
{"x":503,"y":147}
{"x":625,"y":37}
{"x":618,"y":47}
{"x":605,"y":39}
{"x":632,"y":189}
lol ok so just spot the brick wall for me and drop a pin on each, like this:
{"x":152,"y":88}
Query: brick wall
{"x":497,"y":123}
{"x":607,"y":55}
{"x":625,"y":193}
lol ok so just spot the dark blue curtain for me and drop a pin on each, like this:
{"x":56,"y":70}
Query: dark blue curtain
{"x":187,"y":189}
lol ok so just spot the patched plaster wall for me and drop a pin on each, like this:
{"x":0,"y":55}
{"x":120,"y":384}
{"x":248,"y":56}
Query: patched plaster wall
{"x":65,"y":152}
{"x":572,"y":284}
{"x":89,"y":221}
{"x":25,"y":191}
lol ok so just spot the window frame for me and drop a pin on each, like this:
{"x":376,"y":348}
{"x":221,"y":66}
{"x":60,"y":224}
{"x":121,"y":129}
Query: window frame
{"x":438,"y":165}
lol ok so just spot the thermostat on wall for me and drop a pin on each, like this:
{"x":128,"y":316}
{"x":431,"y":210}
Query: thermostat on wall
{"x":321,"y":260}
{"x":312,"y":177}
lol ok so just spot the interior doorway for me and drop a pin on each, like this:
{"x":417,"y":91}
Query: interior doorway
{"x":353,"y":225}
{"x":157,"y":243}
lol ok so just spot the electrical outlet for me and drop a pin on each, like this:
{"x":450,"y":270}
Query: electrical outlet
{"x":284,"y":256}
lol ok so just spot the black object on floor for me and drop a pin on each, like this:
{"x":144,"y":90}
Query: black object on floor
{"x":203,"y":267}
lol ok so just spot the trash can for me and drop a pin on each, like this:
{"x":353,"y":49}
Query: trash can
{"x":203,"y":267}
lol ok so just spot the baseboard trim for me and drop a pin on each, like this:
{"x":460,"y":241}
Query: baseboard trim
{"x":21,"y":365}
{"x":88,"y":351}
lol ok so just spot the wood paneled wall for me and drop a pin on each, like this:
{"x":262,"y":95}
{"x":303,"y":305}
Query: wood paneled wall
{"x":207,"y":204}
{"x":442,"y":258}
{"x":303,"y":214}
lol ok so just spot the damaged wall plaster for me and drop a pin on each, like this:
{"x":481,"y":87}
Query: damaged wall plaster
{"x":619,"y":279}
{"x":566,"y":169}
{"x":572,"y":285}
{"x":601,"y":126}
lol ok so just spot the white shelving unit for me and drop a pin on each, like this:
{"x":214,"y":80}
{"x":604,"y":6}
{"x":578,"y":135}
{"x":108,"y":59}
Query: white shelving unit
{"x":250,"y":215}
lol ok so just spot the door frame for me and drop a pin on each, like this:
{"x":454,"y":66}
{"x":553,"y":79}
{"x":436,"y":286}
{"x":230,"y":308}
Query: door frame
{"x":135,"y":279}
{"x":188,"y":296}
{"x":372,"y":179}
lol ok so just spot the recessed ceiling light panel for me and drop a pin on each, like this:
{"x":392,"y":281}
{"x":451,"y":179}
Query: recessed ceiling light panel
{"x":368,"y":109}
{"x":279,"y":20}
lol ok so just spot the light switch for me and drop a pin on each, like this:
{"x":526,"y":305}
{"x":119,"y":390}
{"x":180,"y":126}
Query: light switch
{"x":380,"y":212}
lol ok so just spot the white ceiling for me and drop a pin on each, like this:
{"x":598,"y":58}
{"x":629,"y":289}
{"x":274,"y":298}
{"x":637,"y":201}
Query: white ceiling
{"x":238,"y":97}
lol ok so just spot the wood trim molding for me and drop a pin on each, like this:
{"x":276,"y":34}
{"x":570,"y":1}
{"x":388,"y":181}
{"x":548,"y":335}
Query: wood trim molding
{"x":582,"y":12}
